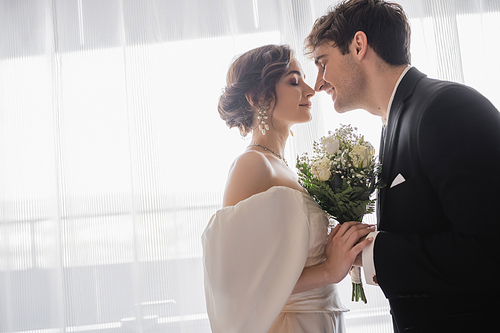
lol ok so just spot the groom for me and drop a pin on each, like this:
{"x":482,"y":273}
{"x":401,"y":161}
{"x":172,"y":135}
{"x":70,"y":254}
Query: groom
{"x":436,"y":255}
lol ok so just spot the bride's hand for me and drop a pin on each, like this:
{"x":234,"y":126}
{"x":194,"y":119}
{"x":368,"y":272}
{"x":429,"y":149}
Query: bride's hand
{"x":343,"y":246}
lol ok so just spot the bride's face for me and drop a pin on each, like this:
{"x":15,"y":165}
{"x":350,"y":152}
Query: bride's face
{"x":293,"y":97}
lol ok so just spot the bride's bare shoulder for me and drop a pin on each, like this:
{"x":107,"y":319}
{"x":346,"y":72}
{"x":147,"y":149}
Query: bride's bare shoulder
{"x":251,"y":159}
{"x":250,"y":173}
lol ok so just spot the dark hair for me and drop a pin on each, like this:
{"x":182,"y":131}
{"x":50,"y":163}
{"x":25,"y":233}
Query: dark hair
{"x":385,"y":24}
{"x":256,"y":73}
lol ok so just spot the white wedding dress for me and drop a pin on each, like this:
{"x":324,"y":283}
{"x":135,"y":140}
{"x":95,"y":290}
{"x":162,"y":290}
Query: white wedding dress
{"x":254,"y":253}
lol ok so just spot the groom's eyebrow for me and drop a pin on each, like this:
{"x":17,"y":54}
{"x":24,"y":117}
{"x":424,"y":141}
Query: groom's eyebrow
{"x":316,"y":60}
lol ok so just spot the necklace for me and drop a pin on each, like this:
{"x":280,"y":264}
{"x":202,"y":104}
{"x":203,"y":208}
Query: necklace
{"x":272,"y":151}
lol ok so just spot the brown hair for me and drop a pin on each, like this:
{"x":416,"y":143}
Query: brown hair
{"x":256,"y":73}
{"x":385,"y":24}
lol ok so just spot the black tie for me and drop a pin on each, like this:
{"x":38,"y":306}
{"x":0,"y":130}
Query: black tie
{"x":381,"y":158}
{"x":382,"y":144}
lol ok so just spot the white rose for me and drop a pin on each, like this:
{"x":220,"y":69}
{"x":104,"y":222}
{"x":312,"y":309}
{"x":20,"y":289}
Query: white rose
{"x":323,"y":174}
{"x":331,"y":144}
{"x":371,"y":150}
{"x":321,"y":169}
{"x":362,"y":155}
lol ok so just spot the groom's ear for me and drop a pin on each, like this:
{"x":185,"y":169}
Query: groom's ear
{"x":359,"y":45}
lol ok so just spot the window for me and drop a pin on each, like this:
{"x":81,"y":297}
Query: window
{"x":113,"y":157}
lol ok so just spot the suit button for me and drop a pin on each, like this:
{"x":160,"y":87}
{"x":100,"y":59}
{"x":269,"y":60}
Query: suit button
{"x":402,"y":296}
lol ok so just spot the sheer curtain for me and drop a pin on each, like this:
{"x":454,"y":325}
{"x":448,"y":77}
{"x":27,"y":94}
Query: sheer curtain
{"x":113,"y":158}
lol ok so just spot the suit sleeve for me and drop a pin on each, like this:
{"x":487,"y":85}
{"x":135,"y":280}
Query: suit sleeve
{"x":459,"y":151}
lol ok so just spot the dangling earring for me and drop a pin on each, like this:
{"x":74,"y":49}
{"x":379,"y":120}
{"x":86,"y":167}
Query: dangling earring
{"x":262,"y":117}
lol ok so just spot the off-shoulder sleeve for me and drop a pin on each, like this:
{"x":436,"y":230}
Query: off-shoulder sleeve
{"x":254,"y":254}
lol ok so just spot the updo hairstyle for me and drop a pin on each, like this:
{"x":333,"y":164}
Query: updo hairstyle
{"x":256,"y":73}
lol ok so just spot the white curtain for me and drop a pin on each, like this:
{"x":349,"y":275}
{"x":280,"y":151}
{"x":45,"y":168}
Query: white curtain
{"x":113,"y":158}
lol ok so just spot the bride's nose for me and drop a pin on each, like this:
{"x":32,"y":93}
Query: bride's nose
{"x":310,"y":92}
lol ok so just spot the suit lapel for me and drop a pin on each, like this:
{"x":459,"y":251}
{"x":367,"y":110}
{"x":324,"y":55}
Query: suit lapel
{"x":404,"y":91}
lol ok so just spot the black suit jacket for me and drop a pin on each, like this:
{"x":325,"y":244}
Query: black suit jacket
{"x":438,"y":245}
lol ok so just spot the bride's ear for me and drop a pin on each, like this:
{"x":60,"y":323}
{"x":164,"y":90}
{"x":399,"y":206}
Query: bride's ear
{"x":251,"y":99}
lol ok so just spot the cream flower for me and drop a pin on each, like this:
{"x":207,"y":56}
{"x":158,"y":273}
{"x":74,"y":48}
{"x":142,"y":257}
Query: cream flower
{"x":321,"y":169}
{"x":361,"y":155}
{"x":331,"y":144}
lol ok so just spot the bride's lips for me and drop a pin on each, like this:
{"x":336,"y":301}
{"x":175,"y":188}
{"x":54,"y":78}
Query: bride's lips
{"x":308,"y":105}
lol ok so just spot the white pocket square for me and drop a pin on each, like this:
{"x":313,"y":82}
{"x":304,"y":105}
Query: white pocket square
{"x":398,"y":180}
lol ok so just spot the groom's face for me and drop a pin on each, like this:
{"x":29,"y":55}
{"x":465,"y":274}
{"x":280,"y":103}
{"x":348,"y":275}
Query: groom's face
{"x":339,"y":76}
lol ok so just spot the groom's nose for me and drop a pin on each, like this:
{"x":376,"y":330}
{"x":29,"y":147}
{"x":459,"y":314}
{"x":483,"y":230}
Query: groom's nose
{"x":320,"y":83}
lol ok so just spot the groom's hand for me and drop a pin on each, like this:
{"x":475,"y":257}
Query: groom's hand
{"x":359,"y":259}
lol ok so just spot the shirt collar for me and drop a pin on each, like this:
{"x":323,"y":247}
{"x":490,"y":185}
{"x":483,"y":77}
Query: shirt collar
{"x":394,"y":93}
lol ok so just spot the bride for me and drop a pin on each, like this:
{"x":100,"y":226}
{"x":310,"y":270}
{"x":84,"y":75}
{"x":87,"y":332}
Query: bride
{"x":270,"y":264}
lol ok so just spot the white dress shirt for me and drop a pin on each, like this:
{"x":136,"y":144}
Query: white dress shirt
{"x":368,"y":261}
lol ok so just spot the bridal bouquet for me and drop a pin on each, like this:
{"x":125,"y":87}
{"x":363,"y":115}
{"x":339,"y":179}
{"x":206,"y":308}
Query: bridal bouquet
{"x":341,"y":176}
